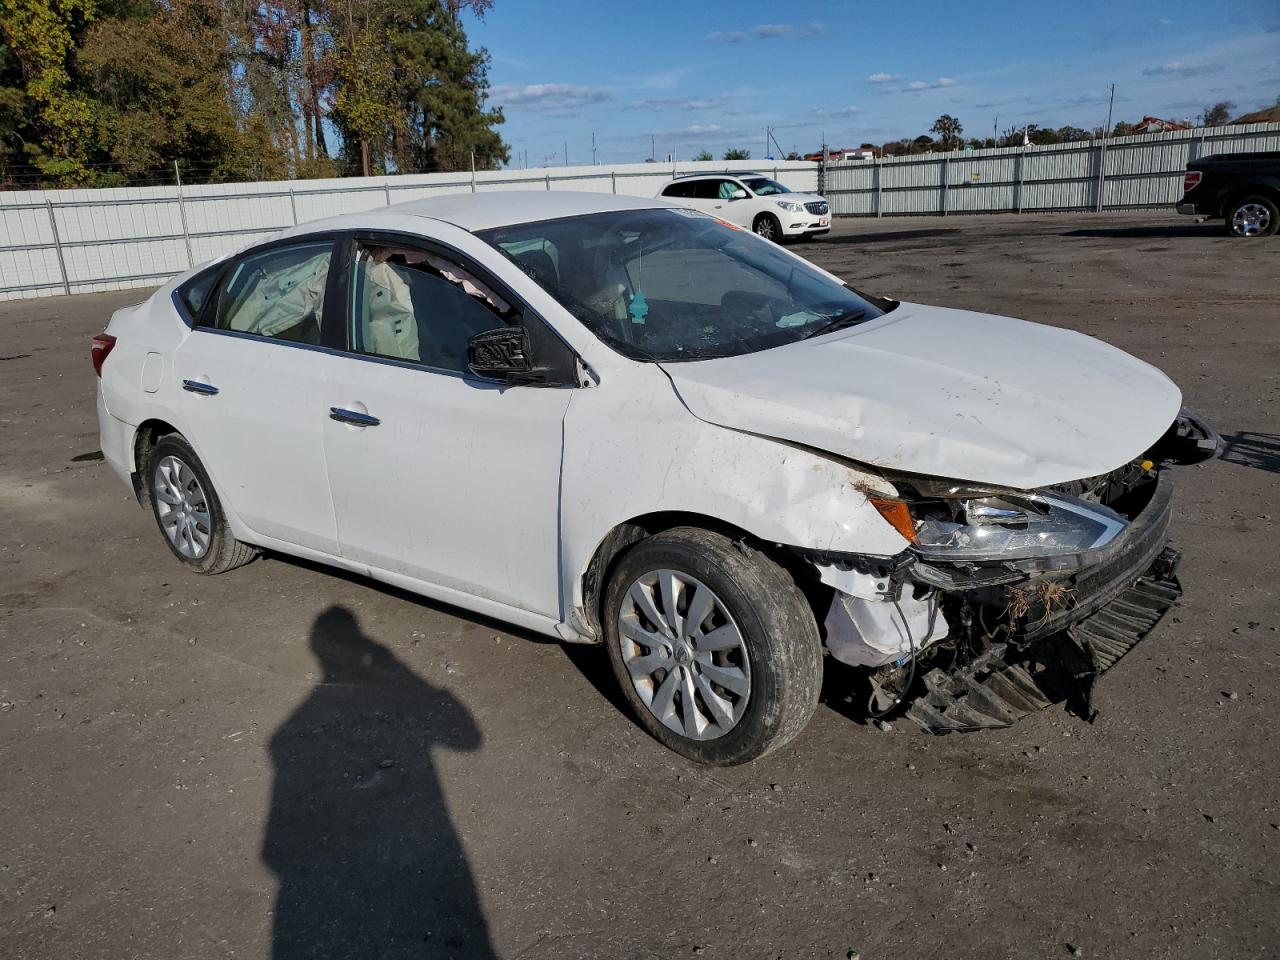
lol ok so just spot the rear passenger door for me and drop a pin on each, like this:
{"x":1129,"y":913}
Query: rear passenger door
{"x":251,"y":373}
{"x":438,"y":475}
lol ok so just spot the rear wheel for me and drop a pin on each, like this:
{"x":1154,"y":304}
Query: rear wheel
{"x":1253,"y":216}
{"x":766,"y":225}
{"x":188,"y":511}
{"x":713,"y":644}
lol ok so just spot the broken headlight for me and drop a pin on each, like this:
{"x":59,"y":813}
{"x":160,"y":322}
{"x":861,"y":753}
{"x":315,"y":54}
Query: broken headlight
{"x":1011,"y":526}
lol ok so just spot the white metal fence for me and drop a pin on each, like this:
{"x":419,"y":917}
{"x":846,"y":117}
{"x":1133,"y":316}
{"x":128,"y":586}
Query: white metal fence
{"x":77,"y":241}
{"x":1122,"y":173}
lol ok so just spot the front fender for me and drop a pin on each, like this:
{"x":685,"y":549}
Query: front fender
{"x":631,"y":448}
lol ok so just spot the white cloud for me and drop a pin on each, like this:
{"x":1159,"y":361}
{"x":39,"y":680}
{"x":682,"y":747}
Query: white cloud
{"x":881,"y":78}
{"x":918,"y":85}
{"x":767,"y":31}
{"x":682,"y":103}
{"x":837,"y":111}
{"x":1182,"y":68}
{"x":548,"y":96}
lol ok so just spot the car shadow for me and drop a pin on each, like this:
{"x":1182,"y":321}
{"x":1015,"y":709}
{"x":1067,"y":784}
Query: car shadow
{"x":359,"y":836}
{"x":1258,"y":450}
{"x":408,"y":595}
{"x":1152,"y":231}
{"x":883,"y":236}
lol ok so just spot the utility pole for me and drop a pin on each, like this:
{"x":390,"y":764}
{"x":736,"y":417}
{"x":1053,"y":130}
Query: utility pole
{"x":653,"y":150}
{"x":566,"y":153}
{"x":594,"y":161}
{"x":1102,"y":155}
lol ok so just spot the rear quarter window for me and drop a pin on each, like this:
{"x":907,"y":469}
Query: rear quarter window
{"x":194,"y":294}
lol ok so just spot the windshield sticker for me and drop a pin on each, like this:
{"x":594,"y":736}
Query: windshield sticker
{"x":685,"y":212}
{"x":726,"y":223}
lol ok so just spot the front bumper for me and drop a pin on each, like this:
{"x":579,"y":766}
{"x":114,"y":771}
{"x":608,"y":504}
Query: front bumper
{"x":1046,"y":637}
{"x":1009,"y":681}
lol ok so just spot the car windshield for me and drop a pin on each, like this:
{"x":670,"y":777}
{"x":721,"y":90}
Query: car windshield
{"x":764,"y":187}
{"x":670,"y":285}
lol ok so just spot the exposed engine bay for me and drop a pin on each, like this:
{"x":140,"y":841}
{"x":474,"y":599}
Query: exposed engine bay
{"x":1008,"y":600}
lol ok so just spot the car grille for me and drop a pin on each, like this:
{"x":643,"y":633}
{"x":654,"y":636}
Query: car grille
{"x":818,"y":208}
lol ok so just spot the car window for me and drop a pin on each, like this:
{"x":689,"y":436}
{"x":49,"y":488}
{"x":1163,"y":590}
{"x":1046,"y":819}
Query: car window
{"x":277,"y":294}
{"x":764,"y":187}
{"x":195,"y":292}
{"x":706,"y":189}
{"x":679,"y":190}
{"x":668,"y":284}
{"x":415,"y":305}
{"x":727,"y":188}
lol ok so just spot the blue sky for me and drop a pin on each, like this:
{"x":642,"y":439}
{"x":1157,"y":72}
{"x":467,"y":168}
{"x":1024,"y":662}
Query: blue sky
{"x":696,"y":75}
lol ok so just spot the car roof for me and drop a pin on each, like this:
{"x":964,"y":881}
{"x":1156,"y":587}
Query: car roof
{"x":737,"y":174}
{"x":503,"y":208}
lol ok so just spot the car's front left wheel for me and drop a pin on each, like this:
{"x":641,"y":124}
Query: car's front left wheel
{"x":714,"y":646}
{"x":768,"y":226}
{"x":188,"y":511}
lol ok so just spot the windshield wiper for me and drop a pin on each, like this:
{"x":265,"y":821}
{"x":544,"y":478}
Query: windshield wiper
{"x":839,"y":322}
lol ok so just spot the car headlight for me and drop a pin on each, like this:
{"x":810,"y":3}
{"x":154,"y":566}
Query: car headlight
{"x":790,"y":206}
{"x":1003,"y":526}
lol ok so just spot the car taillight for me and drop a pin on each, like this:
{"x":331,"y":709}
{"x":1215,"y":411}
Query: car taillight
{"x":1190,"y":180}
{"x":102,"y":345}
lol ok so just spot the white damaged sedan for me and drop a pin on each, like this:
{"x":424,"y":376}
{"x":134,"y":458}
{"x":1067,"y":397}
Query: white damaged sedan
{"x":614,"y":421}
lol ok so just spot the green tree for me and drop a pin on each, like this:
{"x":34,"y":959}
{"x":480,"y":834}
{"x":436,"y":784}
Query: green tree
{"x":52,"y":121}
{"x":702,"y":156}
{"x":159,"y":76}
{"x":737,"y":153}
{"x":1217,"y":114}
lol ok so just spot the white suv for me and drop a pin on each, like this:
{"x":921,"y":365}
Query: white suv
{"x":753,"y":201}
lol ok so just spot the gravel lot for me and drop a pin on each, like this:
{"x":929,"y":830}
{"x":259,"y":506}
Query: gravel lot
{"x":288,"y":761}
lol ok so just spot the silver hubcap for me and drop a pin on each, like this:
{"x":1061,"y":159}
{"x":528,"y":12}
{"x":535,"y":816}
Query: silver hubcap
{"x":765,"y":228}
{"x":183,"y":510}
{"x":685,"y":655}
{"x":1251,"y":219}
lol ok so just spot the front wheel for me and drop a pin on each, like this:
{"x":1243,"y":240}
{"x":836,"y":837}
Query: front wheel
{"x":1254,"y":216}
{"x":767,"y":226}
{"x":713,"y":644}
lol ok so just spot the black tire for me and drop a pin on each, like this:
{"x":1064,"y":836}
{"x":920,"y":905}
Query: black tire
{"x":222,"y":551}
{"x":1264,"y":209}
{"x":768,"y":226}
{"x":776,"y":625}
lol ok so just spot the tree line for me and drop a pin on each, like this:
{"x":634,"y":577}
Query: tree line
{"x":110,"y":92}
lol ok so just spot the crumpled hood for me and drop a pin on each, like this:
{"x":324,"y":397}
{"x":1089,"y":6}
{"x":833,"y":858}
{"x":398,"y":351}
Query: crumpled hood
{"x":946,"y":393}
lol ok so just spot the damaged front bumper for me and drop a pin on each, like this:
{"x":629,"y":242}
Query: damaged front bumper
{"x":969,"y":646}
{"x":1011,"y":679}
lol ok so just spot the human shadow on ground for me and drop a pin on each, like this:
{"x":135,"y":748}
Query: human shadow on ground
{"x":368,"y":861}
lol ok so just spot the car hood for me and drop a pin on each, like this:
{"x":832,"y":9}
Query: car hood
{"x":946,"y":393}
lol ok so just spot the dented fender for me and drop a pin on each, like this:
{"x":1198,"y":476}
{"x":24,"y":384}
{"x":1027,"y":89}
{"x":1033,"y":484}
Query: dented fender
{"x":631,"y":449}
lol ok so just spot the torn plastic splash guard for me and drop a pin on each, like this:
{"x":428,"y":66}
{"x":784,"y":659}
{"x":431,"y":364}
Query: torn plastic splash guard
{"x":1005,"y":683}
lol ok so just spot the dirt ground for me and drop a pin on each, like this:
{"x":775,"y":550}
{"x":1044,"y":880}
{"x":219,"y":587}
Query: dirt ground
{"x":287,"y":761}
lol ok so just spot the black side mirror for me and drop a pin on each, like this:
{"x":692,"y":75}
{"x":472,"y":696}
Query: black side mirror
{"x":502,"y":354}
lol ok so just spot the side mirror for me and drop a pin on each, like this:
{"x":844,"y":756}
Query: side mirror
{"x":739,"y":194}
{"x":502,"y":353}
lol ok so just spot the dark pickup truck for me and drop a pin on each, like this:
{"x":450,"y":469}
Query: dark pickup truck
{"x":1242,"y":188}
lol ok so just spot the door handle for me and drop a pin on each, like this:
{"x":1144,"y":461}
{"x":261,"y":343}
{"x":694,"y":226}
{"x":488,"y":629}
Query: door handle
{"x":200,"y":387}
{"x":353,"y":417}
